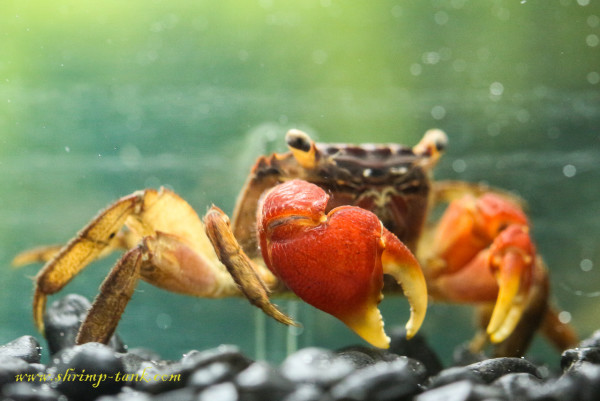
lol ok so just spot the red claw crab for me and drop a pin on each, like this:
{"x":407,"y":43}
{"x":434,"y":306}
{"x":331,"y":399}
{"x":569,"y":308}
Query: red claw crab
{"x":336,"y":224}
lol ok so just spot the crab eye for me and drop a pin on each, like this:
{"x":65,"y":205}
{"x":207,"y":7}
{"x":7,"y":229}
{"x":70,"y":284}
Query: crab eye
{"x":298,"y":140}
{"x":302,"y":147}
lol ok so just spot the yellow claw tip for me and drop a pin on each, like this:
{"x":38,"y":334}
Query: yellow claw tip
{"x":369,"y":326}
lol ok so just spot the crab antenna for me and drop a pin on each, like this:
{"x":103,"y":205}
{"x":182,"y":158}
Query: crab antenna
{"x":302,"y":147}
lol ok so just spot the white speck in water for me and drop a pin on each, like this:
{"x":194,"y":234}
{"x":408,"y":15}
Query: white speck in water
{"x":569,"y":170}
{"x":592,"y":40}
{"x":459,"y":165}
{"x":430,"y":58}
{"x":163,"y":321}
{"x":130,"y":156}
{"x":586,"y":265}
{"x":593,"y":21}
{"x":523,"y":1}
{"x":441,"y":17}
{"x":593,"y":77}
{"x":564,"y":317}
{"x":583,"y":2}
{"x":67,"y":149}
{"x":496,"y":89}
{"x":416,"y":69}
{"x":438,"y":112}
{"x":99,"y":155}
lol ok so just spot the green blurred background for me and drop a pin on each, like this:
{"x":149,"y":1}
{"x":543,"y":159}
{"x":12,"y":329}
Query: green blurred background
{"x":98,"y":99}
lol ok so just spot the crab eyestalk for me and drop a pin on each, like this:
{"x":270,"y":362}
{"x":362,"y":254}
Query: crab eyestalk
{"x":336,"y":261}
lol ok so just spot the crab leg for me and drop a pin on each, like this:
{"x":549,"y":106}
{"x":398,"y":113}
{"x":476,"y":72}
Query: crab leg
{"x":115,"y":292}
{"x":80,"y":251}
{"x":241,"y":268}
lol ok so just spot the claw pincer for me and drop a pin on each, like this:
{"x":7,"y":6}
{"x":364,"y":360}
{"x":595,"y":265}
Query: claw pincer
{"x":332,"y":261}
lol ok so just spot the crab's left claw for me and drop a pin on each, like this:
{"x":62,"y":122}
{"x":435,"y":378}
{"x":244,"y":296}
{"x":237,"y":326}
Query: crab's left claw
{"x":511,"y":258}
{"x":336,"y":261}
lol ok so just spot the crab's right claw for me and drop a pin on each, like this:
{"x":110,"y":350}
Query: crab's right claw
{"x":399,"y":262}
{"x":336,"y":261}
{"x":512,"y":258}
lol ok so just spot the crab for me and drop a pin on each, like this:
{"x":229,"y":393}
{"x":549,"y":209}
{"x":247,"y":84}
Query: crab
{"x":336,"y":224}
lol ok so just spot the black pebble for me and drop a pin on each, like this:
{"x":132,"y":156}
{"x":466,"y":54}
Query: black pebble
{"x":591,"y":341}
{"x":11,"y":367}
{"x":126,"y":395}
{"x":415,"y":348}
{"x":220,"y":392}
{"x":260,"y":381}
{"x":575,"y":356}
{"x":87,"y":371}
{"x":586,"y":376}
{"x":178,"y":373}
{"x":518,"y":386}
{"x":22,"y":391}
{"x":315,"y":365}
{"x":26,"y":348}
{"x":463,"y":356}
{"x":463,"y":390}
{"x":383,"y":381}
{"x":62,"y":320}
{"x":214,"y":373}
{"x":484,"y":372}
{"x":308,"y":392}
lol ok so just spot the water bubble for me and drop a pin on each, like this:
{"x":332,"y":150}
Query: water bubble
{"x":441,"y":17}
{"x":163,"y":321}
{"x":593,"y":77}
{"x":564,"y":317}
{"x":583,"y":2}
{"x":592,"y":40}
{"x":430,"y":58}
{"x":569,"y":170}
{"x":67,"y":149}
{"x":458,"y":3}
{"x":593,"y":21}
{"x":416,"y":69}
{"x":496,"y":89}
{"x":438,"y":112}
{"x":459,"y":165}
{"x":586,"y":265}
{"x":130,"y":156}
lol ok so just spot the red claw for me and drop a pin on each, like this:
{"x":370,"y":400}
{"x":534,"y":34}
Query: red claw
{"x":487,"y":255}
{"x":332,"y":261}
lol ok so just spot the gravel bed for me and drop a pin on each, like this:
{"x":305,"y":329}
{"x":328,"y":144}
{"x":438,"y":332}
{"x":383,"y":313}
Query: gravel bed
{"x":409,"y":370}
